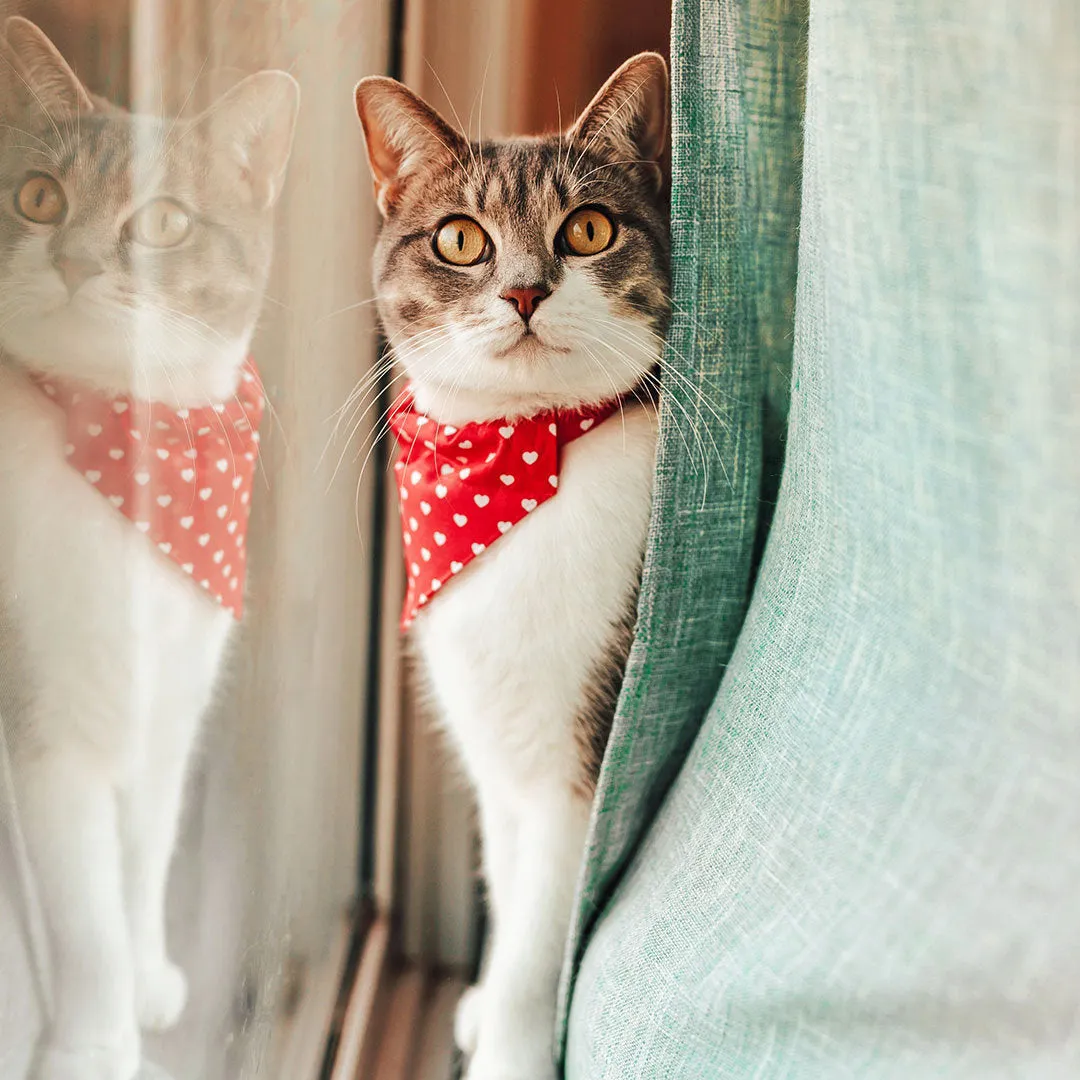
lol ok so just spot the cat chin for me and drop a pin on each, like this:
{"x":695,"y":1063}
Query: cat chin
{"x":489,"y":387}
{"x":121,"y":361}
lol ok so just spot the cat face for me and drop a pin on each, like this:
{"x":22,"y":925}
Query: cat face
{"x":133,"y":251}
{"x":525,"y":273}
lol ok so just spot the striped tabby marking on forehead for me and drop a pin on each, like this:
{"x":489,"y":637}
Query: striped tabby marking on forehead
{"x":599,"y":320}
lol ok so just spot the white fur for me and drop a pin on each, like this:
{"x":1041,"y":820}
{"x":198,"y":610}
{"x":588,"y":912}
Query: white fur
{"x":115,"y":654}
{"x":118,"y":654}
{"x":512,"y":645}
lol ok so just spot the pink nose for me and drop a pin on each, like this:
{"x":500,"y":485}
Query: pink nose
{"x":525,"y":300}
{"x":76,"y":272}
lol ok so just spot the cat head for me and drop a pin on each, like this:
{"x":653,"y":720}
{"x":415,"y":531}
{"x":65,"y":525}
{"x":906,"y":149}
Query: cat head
{"x":527,"y":273}
{"x":134,"y":251}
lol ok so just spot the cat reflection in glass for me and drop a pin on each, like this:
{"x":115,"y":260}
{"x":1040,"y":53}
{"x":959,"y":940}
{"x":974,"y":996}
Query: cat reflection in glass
{"x":134,"y":254}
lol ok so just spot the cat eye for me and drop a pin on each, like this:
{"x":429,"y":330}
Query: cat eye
{"x":461,"y":242}
{"x":41,"y":200}
{"x":588,"y":231}
{"x":162,"y":223}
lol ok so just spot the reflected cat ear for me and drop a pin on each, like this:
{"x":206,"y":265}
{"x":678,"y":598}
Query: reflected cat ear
{"x":403,"y":135}
{"x":34,"y":72}
{"x":629,"y":115}
{"x":253,"y":124}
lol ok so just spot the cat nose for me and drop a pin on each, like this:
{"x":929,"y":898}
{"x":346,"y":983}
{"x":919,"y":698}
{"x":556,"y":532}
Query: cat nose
{"x":76,"y":272}
{"x":525,"y":300}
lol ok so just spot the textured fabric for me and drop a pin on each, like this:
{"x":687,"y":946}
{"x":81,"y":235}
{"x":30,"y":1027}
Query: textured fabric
{"x":731,"y":321}
{"x":868,"y":864}
{"x":182,"y":477}
{"x":461,"y":488}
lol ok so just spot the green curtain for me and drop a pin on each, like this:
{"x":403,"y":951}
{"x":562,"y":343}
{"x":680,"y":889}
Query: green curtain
{"x":734,"y":202}
{"x":836,"y":829}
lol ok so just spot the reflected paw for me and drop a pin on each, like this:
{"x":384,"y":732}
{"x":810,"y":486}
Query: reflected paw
{"x":161,"y":994}
{"x":467,"y":1019}
{"x":494,"y":1068}
{"x":117,"y":1062}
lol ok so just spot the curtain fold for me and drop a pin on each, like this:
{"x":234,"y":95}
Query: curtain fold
{"x":866,"y":865}
{"x":736,"y":78}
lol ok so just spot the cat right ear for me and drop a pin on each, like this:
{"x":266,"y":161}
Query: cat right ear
{"x":403,"y":135}
{"x":33,"y":73}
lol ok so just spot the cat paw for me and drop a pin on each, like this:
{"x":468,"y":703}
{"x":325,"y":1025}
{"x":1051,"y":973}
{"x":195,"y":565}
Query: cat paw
{"x":467,"y":1019}
{"x":511,"y":1068}
{"x":160,"y":995}
{"x":119,"y":1062}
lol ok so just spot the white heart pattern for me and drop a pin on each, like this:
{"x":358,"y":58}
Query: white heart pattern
{"x":498,"y":478}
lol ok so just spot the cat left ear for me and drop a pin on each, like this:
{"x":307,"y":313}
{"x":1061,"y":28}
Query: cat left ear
{"x":35,"y":74}
{"x":253,"y":124}
{"x":630,"y":112}
{"x":404,"y":136}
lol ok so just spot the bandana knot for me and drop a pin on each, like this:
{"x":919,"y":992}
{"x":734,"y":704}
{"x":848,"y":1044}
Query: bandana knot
{"x":182,"y":477}
{"x":462,"y":487}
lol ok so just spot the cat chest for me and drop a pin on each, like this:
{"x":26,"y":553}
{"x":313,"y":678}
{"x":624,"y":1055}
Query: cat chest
{"x":513,"y":644}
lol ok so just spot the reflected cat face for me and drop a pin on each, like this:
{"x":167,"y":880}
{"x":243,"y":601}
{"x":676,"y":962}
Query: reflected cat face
{"x":134,"y":252}
{"x":526,"y":271}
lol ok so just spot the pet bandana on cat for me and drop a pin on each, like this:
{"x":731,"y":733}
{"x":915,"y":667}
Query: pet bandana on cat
{"x":182,"y":477}
{"x":462,"y":487}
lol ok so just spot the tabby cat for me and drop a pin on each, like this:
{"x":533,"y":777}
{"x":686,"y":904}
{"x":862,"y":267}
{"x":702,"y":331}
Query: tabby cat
{"x":523,"y":286}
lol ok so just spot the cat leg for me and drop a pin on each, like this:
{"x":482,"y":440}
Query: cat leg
{"x":518,"y":1019}
{"x":498,"y":838}
{"x":67,"y":807}
{"x":150,"y":817}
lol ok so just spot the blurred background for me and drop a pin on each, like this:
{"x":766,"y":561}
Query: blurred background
{"x":324,"y":899}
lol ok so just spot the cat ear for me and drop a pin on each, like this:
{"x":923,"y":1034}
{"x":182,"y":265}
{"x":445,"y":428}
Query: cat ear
{"x":630,"y":112}
{"x":403,"y":135}
{"x":34,"y":72}
{"x":253,"y":125}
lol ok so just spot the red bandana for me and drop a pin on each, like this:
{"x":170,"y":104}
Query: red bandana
{"x":183,"y":477}
{"x":463,"y":487}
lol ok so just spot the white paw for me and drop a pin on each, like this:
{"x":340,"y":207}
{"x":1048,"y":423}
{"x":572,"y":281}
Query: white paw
{"x":467,"y":1019}
{"x":510,"y":1068}
{"x":119,"y":1062}
{"x":160,"y":995}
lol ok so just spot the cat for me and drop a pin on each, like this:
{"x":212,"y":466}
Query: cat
{"x":523,"y":286}
{"x":134,"y":254}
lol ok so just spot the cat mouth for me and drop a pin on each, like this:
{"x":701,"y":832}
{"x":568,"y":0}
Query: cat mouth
{"x":528,"y":343}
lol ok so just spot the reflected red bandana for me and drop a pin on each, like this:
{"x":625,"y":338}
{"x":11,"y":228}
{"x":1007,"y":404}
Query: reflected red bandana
{"x":182,"y":477}
{"x":461,"y":488}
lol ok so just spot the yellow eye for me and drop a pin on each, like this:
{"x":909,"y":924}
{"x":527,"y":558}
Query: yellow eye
{"x":462,"y":242}
{"x":161,"y":223}
{"x":588,"y":232}
{"x":41,"y":200}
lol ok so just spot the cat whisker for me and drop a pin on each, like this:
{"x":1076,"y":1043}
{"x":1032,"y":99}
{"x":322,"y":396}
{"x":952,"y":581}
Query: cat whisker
{"x":472,"y":156}
{"x":347,"y":308}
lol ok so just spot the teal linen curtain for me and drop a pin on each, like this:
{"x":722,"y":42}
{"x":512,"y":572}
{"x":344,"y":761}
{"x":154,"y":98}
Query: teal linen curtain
{"x":836,"y":833}
{"x":734,"y":204}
